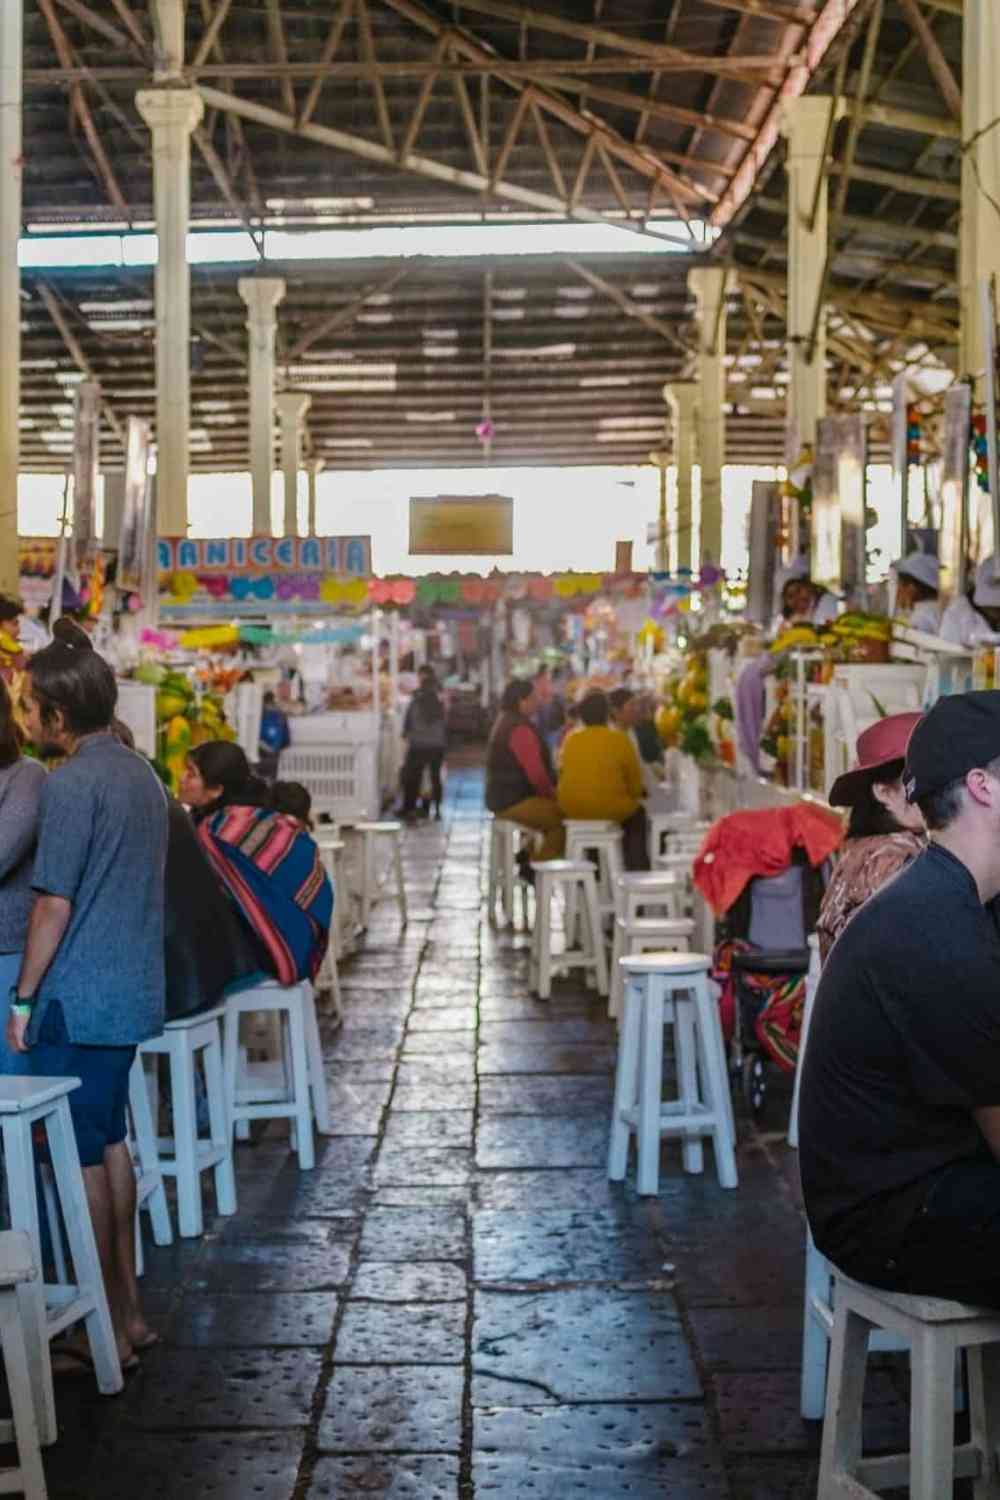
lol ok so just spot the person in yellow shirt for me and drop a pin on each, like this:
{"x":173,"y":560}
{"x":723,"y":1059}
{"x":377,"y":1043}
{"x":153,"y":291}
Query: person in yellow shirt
{"x":600,"y":777}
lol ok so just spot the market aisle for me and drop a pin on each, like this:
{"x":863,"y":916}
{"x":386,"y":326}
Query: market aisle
{"x":455,"y":1302}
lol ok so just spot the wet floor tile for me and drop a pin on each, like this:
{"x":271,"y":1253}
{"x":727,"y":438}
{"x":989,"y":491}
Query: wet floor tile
{"x":582,"y":1344}
{"x":387,"y":1333}
{"x":541,"y":1141}
{"x":645,"y":1452}
{"x":389,"y":1477}
{"x":231,"y":1320}
{"x":393,"y":1408}
{"x":405,"y":1234}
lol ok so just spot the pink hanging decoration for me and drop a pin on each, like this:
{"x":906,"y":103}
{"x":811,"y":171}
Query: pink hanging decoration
{"x":485,"y":430}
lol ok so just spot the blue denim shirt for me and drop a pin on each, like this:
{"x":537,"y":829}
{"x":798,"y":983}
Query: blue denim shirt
{"x":102,"y":843}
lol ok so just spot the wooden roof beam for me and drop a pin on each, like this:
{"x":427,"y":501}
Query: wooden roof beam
{"x":75,"y":351}
{"x":747,"y":69}
{"x":826,"y":25}
{"x":936,"y":60}
{"x":343,"y":315}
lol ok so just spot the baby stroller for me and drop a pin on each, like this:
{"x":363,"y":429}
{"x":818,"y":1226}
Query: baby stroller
{"x":767,"y":959}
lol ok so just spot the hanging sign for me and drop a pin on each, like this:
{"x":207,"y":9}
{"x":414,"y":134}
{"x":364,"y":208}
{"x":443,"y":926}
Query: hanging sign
{"x":239,"y":576}
{"x":461,"y":525}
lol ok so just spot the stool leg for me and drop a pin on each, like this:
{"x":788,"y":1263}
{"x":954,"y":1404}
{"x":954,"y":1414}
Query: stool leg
{"x":145,"y":1145}
{"x":218,"y":1120}
{"x":845,"y":1389}
{"x":716,"y":1086}
{"x":300,"y":1089}
{"x":615,"y":986}
{"x":932,"y":1415}
{"x":507,"y":869}
{"x":19,"y":1165}
{"x":626,"y":1079}
{"x":15,"y":1358}
{"x":190,"y":1220}
{"x":815,"y":1340}
{"x":83,"y":1247}
{"x":367,"y":877}
{"x":397,"y":865}
{"x":53,"y":1219}
{"x":650,"y":1087}
{"x":230,"y":1060}
{"x":543,"y":925}
{"x":686,"y":1045}
{"x":491,"y":878}
{"x":984,"y":1393}
{"x":314,"y":1052}
{"x":596,"y":935}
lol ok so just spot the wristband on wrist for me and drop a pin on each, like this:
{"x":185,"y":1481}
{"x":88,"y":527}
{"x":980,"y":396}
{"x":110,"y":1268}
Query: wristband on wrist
{"x":22,"y":1008}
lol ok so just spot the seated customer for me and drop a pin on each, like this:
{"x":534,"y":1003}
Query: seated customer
{"x":900,"y":1102}
{"x":600,"y":777}
{"x":885,"y":831}
{"x":265,"y":859}
{"x":520,"y":782}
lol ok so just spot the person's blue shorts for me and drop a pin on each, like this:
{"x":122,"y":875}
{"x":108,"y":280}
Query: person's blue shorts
{"x":98,"y":1105}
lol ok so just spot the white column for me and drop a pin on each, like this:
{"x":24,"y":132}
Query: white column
{"x":11,"y":54}
{"x":314,"y":469}
{"x":708,"y":285}
{"x":682,"y":399}
{"x":979,"y":254}
{"x":168,"y":25}
{"x":805,"y":126}
{"x":171,"y":115}
{"x":292,"y":407}
{"x":261,"y":295}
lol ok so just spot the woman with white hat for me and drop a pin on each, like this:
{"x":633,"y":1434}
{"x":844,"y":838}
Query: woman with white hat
{"x":918,"y":579}
{"x":967,"y":620}
{"x":803,"y":601}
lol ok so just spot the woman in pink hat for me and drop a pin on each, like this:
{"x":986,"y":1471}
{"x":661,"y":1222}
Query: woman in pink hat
{"x":884,"y":832}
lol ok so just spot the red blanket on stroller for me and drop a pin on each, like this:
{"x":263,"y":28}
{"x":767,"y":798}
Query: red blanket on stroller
{"x":745,"y":844}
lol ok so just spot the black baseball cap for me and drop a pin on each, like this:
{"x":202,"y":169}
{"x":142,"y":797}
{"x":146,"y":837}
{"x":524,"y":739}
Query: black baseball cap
{"x":959,"y":733}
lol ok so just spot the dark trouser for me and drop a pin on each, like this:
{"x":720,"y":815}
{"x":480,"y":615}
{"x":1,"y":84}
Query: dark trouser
{"x":635,"y":841}
{"x":952,"y":1245}
{"x":413,"y":774}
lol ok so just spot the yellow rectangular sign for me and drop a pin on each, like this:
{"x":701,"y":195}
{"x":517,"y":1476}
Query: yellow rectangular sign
{"x":457,"y":525}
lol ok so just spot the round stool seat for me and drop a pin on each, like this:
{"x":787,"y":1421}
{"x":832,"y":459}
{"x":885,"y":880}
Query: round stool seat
{"x":651,"y":926}
{"x":666,"y":963}
{"x":592,"y":825}
{"x":563,"y":867}
{"x":647,"y":880}
{"x":388,"y":826}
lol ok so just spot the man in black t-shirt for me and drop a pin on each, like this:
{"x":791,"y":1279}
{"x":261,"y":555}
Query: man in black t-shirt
{"x":899,"y":1123}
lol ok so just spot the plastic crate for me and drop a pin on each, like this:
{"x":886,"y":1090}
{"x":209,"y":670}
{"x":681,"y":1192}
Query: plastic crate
{"x":342,"y":779}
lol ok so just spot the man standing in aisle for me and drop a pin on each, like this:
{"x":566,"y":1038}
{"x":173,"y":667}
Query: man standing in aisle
{"x":92,"y":980}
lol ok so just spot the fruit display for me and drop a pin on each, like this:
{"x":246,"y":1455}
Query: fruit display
{"x":854,"y":637}
{"x":185,"y":717}
{"x":690,"y":722}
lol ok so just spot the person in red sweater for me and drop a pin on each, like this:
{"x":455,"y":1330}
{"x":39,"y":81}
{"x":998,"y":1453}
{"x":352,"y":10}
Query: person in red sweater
{"x":520,"y":781}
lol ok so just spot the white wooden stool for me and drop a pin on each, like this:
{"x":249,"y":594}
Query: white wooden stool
{"x":18,"y":1329}
{"x":639,"y":891}
{"x":333,"y":853}
{"x":603,"y":838}
{"x":372,"y":884}
{"x":150,"y":1193}
{"x":575,"y":878}
{"x":506,"y":838}
{"x":812,"y":985}
{"x":636,"y":934}
{"x":291,"y":1086}
{"x":328,"y":978}
{"x":670,"y":988}
{"x":674,"y":825}
{"x":186,"y":1155}
{"x":936,"y":1331}
{"x":25,"y":1102}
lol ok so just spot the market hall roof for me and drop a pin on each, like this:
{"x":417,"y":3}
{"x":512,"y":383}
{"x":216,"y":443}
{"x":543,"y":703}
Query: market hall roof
{"x":404,"y":111}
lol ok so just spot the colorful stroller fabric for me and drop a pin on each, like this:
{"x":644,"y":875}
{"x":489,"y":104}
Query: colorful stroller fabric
{"x":272,"y":869}
{"x":780,"y":998}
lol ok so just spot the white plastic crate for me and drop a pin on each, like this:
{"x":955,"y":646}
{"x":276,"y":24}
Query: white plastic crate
{"x":137,"y":708}
{"x":244,"y":706}
{"x":342,"y":779}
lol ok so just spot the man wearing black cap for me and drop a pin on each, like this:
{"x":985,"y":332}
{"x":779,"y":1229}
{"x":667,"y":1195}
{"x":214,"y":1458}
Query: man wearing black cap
{"x":899,"y":1123}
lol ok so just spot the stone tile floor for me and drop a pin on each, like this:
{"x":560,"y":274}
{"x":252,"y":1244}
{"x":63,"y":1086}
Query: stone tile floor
{"x":456,"y":1302}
